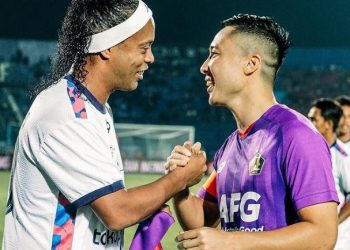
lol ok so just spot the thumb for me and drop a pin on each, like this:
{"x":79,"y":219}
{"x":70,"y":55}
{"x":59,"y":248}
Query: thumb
{"x":196,"y":147}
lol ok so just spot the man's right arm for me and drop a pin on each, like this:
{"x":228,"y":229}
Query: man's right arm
{"x":192,"y":211}
{"x":129,"y":206}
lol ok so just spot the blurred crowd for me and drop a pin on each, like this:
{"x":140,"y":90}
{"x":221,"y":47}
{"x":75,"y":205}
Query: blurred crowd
{"x":173,"y":92}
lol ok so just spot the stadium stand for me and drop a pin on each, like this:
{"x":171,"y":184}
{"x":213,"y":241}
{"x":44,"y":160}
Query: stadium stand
{"x":173,"y":91}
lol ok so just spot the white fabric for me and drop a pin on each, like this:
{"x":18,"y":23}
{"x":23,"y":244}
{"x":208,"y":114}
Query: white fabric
{"x":113,"y":36}
{"x":341,"y":172}
{"x":57,"y":152}
{"x":347,"y":145}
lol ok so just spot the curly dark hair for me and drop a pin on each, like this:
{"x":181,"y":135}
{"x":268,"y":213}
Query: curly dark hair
{"x":83,"y":19}
{"x":265,"y":28}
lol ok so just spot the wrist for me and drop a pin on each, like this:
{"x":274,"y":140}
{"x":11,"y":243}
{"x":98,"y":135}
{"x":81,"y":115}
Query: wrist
{"x":183,"y":194}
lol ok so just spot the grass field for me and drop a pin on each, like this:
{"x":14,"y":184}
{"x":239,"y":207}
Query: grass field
{"x":131,"y":180}
{"x":4,"y":178}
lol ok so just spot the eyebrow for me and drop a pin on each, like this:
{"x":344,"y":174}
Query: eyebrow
{"x":146,"y":43}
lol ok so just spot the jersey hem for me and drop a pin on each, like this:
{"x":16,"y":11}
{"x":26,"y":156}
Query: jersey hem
{"x":314,"y":199}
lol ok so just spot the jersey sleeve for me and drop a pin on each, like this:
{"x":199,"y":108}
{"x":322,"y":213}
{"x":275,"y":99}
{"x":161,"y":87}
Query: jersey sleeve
{"x":208,"y":190}
{"x":308,"y":168}
{"x":79,"y":162}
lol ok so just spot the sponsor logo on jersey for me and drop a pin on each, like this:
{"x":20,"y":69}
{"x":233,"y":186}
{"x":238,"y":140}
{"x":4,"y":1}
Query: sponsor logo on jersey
{"x":243,"y":229}
{"x":256,"y":164}
{"x":107,"y":237}
{"x":246,"y":205}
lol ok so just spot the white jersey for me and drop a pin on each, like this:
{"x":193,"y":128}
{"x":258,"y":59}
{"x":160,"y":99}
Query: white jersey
{"x":341,"y":172}
{"x":66,"y":156}
{"x":347,"y":145}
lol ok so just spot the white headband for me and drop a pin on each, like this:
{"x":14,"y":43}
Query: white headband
{"x":111,"y":37}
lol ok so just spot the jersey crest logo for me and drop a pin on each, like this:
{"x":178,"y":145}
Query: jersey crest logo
{"x":256,"y":164}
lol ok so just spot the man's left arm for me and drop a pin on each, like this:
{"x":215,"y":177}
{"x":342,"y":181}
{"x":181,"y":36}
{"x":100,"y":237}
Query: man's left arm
{"x":317,"y":230}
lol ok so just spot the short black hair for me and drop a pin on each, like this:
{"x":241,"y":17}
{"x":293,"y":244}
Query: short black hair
{"x":330,"y":110}
{"x":343,"y":100}
{"x":264,"y":27}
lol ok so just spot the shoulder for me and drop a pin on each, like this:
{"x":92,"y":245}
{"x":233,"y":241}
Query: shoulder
{"x":298,"y":135}
{"x":54,"y":110}
{"x":295,"y":126}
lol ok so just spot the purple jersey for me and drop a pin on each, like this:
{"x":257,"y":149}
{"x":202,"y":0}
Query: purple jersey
{"x":263,"y":178}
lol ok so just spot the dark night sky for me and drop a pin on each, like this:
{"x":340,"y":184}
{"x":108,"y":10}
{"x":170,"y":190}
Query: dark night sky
{"x":312,"y":23}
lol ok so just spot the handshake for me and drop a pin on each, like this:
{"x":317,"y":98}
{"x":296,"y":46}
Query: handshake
{"x":189,"y":161}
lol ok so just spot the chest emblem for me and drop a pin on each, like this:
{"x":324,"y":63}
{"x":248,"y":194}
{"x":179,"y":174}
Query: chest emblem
{"x":256,"y":164}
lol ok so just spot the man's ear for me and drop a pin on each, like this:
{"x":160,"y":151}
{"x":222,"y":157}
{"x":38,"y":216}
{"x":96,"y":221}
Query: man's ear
{"x":106,"y":54}
{"x":253,"y":64}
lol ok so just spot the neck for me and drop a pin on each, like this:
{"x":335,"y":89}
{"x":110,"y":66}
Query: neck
{"x":249,"y":107}
{"x":97,"y":82}
{"x":330,"y":138}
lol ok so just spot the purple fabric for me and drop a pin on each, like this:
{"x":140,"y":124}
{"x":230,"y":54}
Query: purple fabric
{"x":281,"y":166}
{"x":150,"y":231}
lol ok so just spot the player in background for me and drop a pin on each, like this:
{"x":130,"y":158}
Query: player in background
{"x":325,"y":115}
{"x":67,"y":182}
{"x":344,"y":124}
{"x":272,"y":187}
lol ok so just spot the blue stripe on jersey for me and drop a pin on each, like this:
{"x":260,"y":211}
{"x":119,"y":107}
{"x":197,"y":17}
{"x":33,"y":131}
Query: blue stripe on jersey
{"x":88,"y":198}
{"x":63,"y":231}
{"x":340,"y":149}
{"x":56,"y":239}
{"x":61,"y":216}
{"x":87,"y":93}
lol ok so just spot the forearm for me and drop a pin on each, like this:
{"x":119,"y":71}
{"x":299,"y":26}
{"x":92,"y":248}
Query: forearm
{"x":303,"y":235}
{"x":146,"y":199}
{"x":317,"y":230}
{"x":189,"y":210}
{"x":124,"y":208}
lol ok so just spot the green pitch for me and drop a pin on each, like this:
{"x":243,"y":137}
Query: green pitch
{"x":4,"y":179}
{"x":131,"y":180}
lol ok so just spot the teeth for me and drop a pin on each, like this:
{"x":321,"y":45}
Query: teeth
{"x":140,"y":74}
{"x":210,"y":83}
{"x":210,"y":88}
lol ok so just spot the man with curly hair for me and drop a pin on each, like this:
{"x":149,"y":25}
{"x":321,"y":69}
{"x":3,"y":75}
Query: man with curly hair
{"x":67,"y":181}
{"x":272,"y":184}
